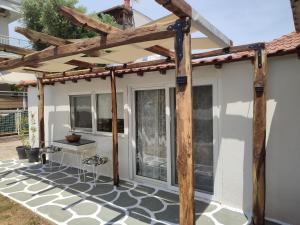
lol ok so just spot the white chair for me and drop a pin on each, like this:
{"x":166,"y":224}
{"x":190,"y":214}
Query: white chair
{"x":94,"y":162}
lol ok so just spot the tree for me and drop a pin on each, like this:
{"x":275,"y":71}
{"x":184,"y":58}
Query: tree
{"x":43,"y":16}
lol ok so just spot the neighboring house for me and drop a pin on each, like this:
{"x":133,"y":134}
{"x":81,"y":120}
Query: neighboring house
{"x":9,"y":99}
{"x":9,"y":12}
{"x":126,"y":16}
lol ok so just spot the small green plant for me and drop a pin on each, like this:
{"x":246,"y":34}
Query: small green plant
{"x":23,"y":132}
{"x":33,"y":129}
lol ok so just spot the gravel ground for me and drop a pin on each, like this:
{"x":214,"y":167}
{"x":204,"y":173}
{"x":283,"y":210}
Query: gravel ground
{"x":8,"y":147}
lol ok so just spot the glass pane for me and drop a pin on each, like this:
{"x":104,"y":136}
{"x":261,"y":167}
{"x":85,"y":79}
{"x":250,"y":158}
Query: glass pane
{"x":104,"y":117}
{"x":81,"y":114}
{"x":151,"y":153}
{"x":202,"y":137}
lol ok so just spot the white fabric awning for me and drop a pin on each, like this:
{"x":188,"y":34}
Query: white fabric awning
{"x":16,"y":77}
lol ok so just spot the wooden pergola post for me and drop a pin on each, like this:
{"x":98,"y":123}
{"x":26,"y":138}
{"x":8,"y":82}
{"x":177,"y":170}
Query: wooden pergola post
{"x":184,"y":108}
{"x":259,"y":135}
{"x":114,"y":128}
{"x":41,"y":105}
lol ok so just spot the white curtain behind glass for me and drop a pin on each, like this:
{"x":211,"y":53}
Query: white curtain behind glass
{"x":151,"y":134}
{"x":104,"y":106}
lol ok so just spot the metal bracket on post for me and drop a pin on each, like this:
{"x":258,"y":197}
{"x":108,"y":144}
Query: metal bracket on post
{"x":181,"y":26}
{"x":258,"y":47}
{"x":258,"y":84}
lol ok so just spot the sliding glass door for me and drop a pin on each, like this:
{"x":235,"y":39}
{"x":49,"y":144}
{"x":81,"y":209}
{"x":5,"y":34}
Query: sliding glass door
{"x":202,"y":138}
{"x":150,"y":132}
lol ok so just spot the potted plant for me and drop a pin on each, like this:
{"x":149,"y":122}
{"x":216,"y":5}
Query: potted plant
{"x":33,"y":152}
{"x":23,"y":136}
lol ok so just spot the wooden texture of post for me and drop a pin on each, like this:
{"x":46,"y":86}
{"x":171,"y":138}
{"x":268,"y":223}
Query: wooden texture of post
{"x":259,"y":136}
{"x":41,"y":106}
{"x":114,"y":129}
{"x":185,"y":161}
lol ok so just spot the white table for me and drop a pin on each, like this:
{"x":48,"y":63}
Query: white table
{"x":81,"y":149}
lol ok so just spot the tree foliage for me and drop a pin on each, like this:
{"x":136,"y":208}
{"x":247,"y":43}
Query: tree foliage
{"x":43,"y":16}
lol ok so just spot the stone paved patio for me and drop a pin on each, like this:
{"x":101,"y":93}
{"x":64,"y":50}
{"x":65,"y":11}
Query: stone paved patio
{"x":61,"y":197}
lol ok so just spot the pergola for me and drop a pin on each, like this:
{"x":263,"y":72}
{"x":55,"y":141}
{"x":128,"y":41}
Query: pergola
{"x":180,"y":29}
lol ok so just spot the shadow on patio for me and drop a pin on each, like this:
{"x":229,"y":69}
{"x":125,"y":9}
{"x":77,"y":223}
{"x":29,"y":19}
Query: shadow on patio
{"x":61,"y":197}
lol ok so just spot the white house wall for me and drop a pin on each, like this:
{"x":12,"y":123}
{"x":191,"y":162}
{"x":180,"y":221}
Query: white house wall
{"x":283,"y":151}
{"x":233,"y":121}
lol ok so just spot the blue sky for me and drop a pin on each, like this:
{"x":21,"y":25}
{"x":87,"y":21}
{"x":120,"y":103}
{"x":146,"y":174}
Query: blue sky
{"x":243,"y":21}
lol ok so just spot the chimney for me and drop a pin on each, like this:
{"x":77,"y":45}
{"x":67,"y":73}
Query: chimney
{"x":127,"y":3}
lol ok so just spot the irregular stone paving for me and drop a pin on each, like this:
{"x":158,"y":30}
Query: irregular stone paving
{"x":58,"y":195}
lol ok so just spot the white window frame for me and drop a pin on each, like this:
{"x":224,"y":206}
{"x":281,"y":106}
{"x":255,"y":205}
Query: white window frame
{"x":94,"y":131}
{"x":95,"y":119}
{"x":81,"y":129}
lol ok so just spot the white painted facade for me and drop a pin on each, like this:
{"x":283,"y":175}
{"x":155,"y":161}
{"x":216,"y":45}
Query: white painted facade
{"x":232,"y":109}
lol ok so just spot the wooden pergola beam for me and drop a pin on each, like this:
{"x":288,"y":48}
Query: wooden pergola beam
{"x":115,"y":149}
{"x":157,"y":49}
{"x":85,"y":21}
{"x":142,"y":34}
{"x":75,"y":72}
{"x":15,"y":50}
{"x":259,"y":136}
{"x":142,"y":64}
{"x":41,"y":105}
{"x":182,"y":9}
{"x":184,"y":112}
{"x":95,"y":25}
{"x":3,"y":59}
{"x":96,"y":69}
{"x":82,"y":64}
{"x":225,"y":51}
{"x":35,"y":36}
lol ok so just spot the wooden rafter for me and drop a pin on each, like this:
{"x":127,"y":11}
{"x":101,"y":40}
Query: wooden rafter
{"x":96,"y":70}
{"x":141,"y":64}
{"x":157,"y":49}
{"x":225,"y":51}
{"x":218,"y":52}
{"x":15,"y":50}
{"x":84,"y":21}
{"x":182,"y":9}
{"x":81,"y":64}
{"x":35,"y":36}
{"x":3,"y":59}
{"x":142,"y":34}
{"x":96,"y":25}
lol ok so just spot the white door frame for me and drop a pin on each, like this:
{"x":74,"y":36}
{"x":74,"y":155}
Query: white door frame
{"x":132,"y":136}
{"x":197,"y":81}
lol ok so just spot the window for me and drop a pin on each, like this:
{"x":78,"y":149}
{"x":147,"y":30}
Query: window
{"x":202,"y":137}
{"x":104,"y":116}
{"x":81,"y":112}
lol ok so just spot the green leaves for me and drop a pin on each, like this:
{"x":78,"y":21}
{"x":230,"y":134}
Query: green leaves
{"x":43,"y":16}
